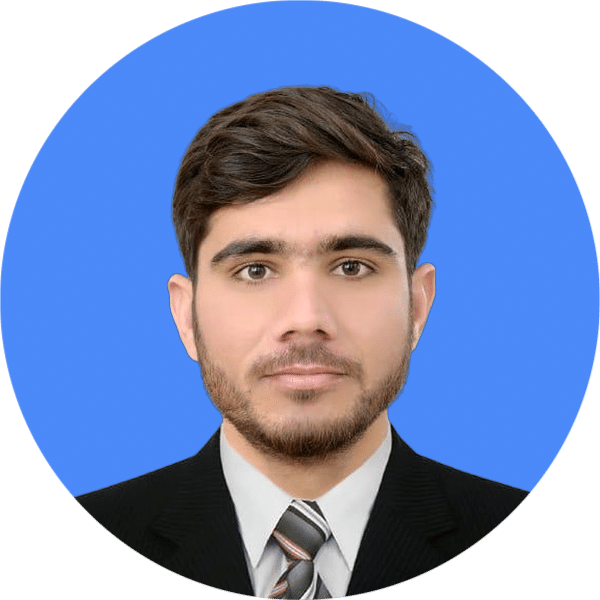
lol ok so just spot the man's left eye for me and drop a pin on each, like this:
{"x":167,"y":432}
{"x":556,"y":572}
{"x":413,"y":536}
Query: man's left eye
{"x":353,"y":268}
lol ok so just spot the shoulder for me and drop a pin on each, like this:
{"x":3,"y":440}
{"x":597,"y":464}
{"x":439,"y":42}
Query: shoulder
{"x":136,"y":502}
{"x":457,"y":486}
{"x":473,"y":497}
{"x":145,"y":493}
{"x":451,"y":507}
{"x":476,"y":505}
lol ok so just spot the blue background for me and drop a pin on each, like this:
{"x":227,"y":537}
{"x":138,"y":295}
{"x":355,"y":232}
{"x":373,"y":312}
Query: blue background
{"x":101,"y":376}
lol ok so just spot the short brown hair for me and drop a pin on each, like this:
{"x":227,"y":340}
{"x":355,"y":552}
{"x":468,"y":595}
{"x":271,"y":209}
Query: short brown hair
{"x":258,"y":146}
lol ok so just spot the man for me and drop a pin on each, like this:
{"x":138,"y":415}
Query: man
{"x":301,"y":216}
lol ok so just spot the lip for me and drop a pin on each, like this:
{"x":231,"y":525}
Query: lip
{"x":305,"y":370}
{"x":301,"y":377}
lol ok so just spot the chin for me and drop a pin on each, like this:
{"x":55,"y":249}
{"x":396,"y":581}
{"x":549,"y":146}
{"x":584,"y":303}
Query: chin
{"x":302,"y":438}
{"x":306,"y":413}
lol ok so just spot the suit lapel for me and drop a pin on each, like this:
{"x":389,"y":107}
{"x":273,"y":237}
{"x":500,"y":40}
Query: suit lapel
{"x":410,"y":511}
{"x":201,"y":525}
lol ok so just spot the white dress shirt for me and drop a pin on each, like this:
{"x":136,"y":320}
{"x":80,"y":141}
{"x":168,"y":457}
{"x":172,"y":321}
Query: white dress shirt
{"x":259,"y":504}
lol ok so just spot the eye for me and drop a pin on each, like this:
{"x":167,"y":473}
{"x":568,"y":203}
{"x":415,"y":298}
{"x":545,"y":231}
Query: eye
{"x":254,"y":272}
{"x":354,"y":269}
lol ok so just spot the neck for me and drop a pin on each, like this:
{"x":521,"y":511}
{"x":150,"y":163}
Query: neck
{"x":310,"y":480}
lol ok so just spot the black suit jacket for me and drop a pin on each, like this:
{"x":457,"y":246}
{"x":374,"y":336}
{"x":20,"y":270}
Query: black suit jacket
{"x":183,"y":518}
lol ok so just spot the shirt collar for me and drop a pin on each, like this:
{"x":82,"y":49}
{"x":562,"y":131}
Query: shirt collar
{"x":347,"y":506}
{"x":259,"y":503}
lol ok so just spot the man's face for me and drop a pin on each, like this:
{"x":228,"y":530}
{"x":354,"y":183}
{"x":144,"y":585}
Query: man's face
{"x":301,"y":316}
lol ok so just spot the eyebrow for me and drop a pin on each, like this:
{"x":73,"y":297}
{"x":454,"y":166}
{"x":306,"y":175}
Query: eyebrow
{"x":333,"y":243}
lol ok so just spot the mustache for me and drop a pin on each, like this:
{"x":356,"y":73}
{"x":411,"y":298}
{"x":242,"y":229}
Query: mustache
{"x":295,"y":354}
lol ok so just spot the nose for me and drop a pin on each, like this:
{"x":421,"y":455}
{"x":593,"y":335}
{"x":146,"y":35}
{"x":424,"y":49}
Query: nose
{"x":305,"y":311}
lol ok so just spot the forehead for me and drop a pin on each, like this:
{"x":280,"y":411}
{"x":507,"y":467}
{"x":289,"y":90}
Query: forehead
{"x":330,"y":199}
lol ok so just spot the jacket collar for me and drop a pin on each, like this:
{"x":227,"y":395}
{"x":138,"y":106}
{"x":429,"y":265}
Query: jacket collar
{"x":410,"y":511}
{"x":201,"y":522}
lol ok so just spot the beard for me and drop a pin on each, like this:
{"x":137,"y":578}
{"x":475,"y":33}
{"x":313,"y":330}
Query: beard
{"x":301,"y":441}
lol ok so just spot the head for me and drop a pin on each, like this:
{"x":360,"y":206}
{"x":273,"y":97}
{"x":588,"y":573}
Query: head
{"x":300,"y":216}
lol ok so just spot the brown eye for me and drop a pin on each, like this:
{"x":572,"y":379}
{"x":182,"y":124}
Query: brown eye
{"x":254,"y":272}
{"x":351,"y":268}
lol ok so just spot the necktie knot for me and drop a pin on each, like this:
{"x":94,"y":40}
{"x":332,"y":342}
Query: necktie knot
{"x":302,"y":530}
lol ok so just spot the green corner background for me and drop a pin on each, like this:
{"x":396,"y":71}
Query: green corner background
{"x":546,"y":50}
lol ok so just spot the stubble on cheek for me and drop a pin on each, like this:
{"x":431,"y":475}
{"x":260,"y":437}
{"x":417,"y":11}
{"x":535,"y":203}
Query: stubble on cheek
{"x":300,"y":440}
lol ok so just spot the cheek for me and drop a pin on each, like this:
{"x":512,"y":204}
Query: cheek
{"x":229,"y":328}
{"x":381,"y":331}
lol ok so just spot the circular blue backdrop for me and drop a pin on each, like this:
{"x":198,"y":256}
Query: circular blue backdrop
{"x":101,"y":376}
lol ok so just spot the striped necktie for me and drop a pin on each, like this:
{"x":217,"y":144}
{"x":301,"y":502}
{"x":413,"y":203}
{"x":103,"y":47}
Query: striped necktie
{"x":300,"y":533}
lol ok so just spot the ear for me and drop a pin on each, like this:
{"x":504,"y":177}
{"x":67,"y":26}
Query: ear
{"x":423,"y":293}
{"x":181,"y":293}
